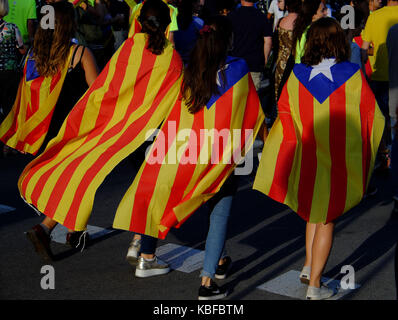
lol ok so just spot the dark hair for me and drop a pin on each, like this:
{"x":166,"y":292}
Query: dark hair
{"x":326,"y":39}
{"x":154,"y":18}
{"x":229,"y":5}
{"x":185,"y":11}
{"x":304,"y":19}
{"x":293,"y":5}
{"x":51,"y":46}
{"x":206,"y":59}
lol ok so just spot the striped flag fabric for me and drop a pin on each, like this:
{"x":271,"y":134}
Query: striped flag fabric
{"x":135,"y":26}
{"x":133,"y":94}
{"x":320,"y":152}
{"x":192,"y":156}
{"x":368,"y":67}
{"x":26,"y":126}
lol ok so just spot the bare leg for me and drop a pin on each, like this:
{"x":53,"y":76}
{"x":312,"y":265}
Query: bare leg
{"x":309,"y":240}
{"x":49,"y":223}
{"x":320,"y":251}
{"x":206,"y":281}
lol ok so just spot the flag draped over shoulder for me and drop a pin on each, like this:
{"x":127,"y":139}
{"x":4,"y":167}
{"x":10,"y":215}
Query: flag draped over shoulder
{"x":27,"y":124}
{"x":320,"y":153}
{"x":192,"y":156}
{"x":134,"y":92}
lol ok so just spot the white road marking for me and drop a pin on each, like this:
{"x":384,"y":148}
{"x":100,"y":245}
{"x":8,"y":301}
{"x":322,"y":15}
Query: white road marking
{"x":181,"y":258}
{"x":5,"y":209}
{"x":288,"y":284}
{"x":59,"y":233}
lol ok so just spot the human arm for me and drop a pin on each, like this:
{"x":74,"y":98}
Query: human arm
{"x":89,"y":65}
{"x":267,"y":48}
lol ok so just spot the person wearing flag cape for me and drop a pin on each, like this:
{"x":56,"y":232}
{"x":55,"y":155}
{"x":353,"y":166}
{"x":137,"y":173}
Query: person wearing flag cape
{"x":207,"y":132}
{"x":107,"y":124}
{"x":319,"y":155}
{"x":55,"y":75}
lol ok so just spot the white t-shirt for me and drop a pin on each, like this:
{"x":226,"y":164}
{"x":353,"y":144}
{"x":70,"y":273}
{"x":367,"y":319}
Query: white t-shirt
{"x":274,"y":9}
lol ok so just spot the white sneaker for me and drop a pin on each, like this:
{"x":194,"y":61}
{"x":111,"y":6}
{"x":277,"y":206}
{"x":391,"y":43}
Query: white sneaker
{"x":314,"y":293}
{"x":149,"y":268}
{"x":305,"y":275}
{"x":133,"y":251}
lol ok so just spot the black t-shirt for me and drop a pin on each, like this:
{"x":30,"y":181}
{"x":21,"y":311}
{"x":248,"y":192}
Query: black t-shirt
{"x":250,"y":26}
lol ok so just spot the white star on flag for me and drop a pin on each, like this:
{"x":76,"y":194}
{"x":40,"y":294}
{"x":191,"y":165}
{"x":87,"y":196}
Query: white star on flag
{"x":324,"y":68}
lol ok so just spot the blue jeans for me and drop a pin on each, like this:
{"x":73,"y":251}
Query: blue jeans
{"x":216,"y":236}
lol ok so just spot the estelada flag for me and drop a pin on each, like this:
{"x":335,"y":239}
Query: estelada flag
{"x":134,"y":93}
{"x":368,"y":67}
{"x":27,"y":124}
{"x":320,"y":153}
{"x":192,"y":156}
{"x":135,"y":25}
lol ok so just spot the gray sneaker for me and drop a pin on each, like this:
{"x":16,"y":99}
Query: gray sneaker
{"x":148,"y":268}
{"x":314,"y":293}
{"x":133,"y":251}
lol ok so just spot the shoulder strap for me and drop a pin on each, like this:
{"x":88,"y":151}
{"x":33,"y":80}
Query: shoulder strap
{"x":73,"y":57}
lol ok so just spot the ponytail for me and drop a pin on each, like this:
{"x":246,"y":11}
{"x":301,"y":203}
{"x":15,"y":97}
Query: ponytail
{"x":154,"y":19}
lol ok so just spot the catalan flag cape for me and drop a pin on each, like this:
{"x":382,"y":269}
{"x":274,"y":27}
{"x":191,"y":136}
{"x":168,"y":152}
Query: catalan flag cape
{"x":134,"y":93}
{"x":320,"y":152}
{"x":192,"y":156}
{"x":135,"y":26}
{"x":27,"y":124}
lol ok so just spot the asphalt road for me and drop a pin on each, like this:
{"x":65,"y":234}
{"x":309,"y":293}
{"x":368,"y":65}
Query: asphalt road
{"x":265,"y":240}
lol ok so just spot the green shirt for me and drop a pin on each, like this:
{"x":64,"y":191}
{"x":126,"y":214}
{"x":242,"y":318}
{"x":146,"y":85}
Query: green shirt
{"x":20,"y":12}
{"x":300,"y":46}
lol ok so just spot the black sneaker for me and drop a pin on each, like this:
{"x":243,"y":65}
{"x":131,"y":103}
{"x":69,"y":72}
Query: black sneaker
{"x":211,"y":293}
{"x":77,"y":240}
{"x":41,"y":242}
{"x":221,"y":272}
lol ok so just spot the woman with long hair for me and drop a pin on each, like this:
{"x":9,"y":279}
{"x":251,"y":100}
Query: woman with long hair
{"x":320,"y":153}
{"x":311,"y":10}
{"x":217,"y":95}
{"x":56,"y":74}
{"x":106,"y":125}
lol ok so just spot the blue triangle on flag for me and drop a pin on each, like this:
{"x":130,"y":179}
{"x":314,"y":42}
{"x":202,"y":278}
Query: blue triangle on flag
{"x":236,"y":69}
{"x":320,"y":86}
{"x":31,"y":71}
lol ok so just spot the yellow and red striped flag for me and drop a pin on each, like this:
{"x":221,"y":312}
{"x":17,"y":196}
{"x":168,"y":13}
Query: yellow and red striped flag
{"x":27,"y":124}
{"x":134,"y":92}
{"x":192,"y":156}
{"x":135,"y":26}
{"x":320,"y":153}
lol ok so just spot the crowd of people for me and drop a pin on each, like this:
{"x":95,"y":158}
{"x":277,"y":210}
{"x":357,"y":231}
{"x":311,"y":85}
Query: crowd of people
{"x":82,"y":96}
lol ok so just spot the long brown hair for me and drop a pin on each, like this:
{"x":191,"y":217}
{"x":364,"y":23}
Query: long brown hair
{"x":51,"y":46}
{"x":304,"y":19}
{"x":154,"y":18}
{"x":326,"y":39}
{"x":206,"y":59}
